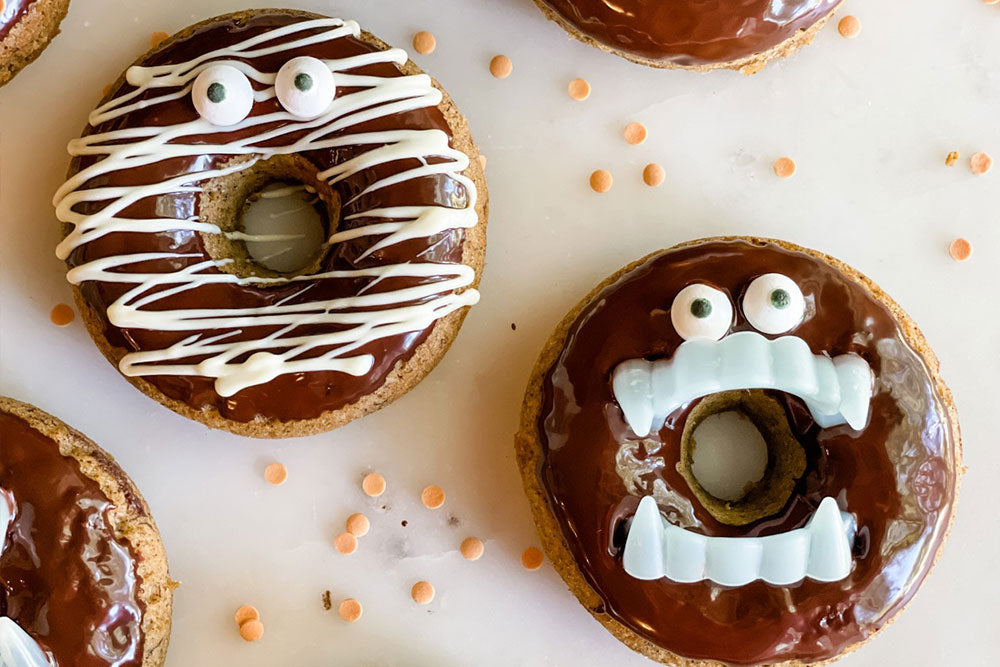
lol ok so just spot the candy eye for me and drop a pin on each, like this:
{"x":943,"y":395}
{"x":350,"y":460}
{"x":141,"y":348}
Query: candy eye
{"x":305,"y":87}
{"x":222,"y":95}
{"x":774,"y":304}
{"x":701,"y":312}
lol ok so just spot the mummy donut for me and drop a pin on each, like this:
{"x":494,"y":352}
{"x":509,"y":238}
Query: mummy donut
{"x":693,"y":34}
{"x":83,"y":574}
{"x":26,"y":28}
{"x":208,"y":122}
{"x":740,"y":349}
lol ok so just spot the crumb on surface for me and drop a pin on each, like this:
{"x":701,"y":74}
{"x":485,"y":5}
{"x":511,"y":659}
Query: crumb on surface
{"x":327,"y":600}
{"x":951,"y":159}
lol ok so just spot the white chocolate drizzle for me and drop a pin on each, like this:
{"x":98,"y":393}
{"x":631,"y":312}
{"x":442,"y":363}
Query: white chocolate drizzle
{"x":440,"y":288}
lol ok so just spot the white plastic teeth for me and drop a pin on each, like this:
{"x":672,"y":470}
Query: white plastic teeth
{"x":305,"y":87}
{"x":18,"y":649}
{"x":820,"y":550}
{"x":836,"y":391}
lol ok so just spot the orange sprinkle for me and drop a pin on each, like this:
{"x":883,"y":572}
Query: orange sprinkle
{"x":61,"y":314}
{"x":251,"y":631}
{"x":276,"y":474}
{"x":653,"y":175}
{"x":350,"y":610}
{"x":472,"y":548}
{"x":501,"y":67}
{"x":601,"y":180}
{"x":358,"y":525}
{"x":156,"y":38}
{"x":432,"y":497}
{"x":424,"y":42}
{"x":373,"y":484}
{"x":106,"y":90}
{"x":849,"y":27}
{"x":784,"y":167}
{"x":532,"y":558}
{"x":635,"y":133}
{"x":990,"y":2}
{"x":482,"y":162}
{"x":247,"y":613}
{"x":952,"y":157}
{"x":579,"y":89}
{"x":960,"y":250}
{"x":980,"y":163}
{"x":345,"y":543}
{"x":422,"y":592}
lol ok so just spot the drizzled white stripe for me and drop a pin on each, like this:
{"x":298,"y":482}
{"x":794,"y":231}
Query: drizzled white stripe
{"x":443,"y":288}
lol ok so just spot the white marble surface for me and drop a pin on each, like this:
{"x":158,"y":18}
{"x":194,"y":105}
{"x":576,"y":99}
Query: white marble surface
{"x":869,"y":122}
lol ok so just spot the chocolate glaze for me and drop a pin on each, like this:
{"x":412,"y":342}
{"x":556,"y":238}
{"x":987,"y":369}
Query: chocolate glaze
{"x":691,"y":32}
{"x":294,"y":395}
{"x":897,"y":476}
{"x":64,"y":576}
{"x":12,"y":12}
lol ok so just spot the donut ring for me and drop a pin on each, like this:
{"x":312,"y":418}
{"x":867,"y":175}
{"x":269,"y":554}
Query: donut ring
{"x":893,"y":474}
{"x":26,"y":28}
{"x":156,"y":190}
{"x":693,"y":34}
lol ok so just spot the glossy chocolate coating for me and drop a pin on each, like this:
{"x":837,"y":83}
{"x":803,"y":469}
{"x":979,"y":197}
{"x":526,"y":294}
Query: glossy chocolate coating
{"x":293,"y":395}
{"x":691,"y":32}
{"x":64,"y":576}
{"x":897,"y":476}
{"x":12,"y":12}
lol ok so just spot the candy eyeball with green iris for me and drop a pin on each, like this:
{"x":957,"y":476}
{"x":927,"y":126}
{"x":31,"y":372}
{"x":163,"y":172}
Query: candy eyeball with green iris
{"x":305,"y":87}
{"x":700,"y":312}
{"x":773,"y":304}
{"x":222,"y":95}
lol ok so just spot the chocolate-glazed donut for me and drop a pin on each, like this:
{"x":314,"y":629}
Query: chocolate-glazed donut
{"x":155,"y":191}
{"x":695,"y":34}
{"x":892,"y":469}
{"x":83,"y":574}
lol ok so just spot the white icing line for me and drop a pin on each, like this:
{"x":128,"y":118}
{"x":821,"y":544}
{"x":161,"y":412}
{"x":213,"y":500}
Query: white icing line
{"x":440,"y":290}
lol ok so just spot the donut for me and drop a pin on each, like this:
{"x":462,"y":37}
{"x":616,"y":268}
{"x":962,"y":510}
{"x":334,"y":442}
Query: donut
{"x":26,"y":28}
{"x":693,"y":34}
{"x":83,"y":573}
{"x":809,"y":555}
{"x":191,"y":134}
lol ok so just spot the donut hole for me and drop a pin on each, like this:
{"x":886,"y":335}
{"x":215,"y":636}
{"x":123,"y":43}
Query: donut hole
{"x":275,"y":217}
{"x":739,"y":457}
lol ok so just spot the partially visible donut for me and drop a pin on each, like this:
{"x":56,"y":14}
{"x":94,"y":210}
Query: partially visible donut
{"x":26,"y":28}
{"x":155,"y":191}
{"x":83,"y":573}
{"x":829,"y":544}
{"x":693,"y":34}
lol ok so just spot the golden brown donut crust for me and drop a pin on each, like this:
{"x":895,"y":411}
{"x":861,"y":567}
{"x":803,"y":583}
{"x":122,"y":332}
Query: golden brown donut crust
{"x":30,"y":35}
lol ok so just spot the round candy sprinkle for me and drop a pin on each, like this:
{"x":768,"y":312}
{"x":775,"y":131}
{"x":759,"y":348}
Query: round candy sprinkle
{"x":532,"y":558}
{"x":424,"y":42}
{"x":61,"y":315}
{"x":156,"y":38}
{"x":635,"y":133}
{"x":980,"y":163}
{"x":579,"y":89}
{"x":373,"y":484}
{"x":784,"y":167}
{"x":653,"y":175}
{"x":849,"y":27}
{"x":960,"y":250}
{"x":358,"y":525}
{"x":252,"y":630}
{"x":276,"y":474}
{"x":350,"y":610}
{"x":472,"y":548}
{"x":345,"y":543}
{"x":501,"y":67}
{"x":601,"y":180}
{"x":432,"y":497}
{"x":422,"y":592}
{"x":246,"y":613}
